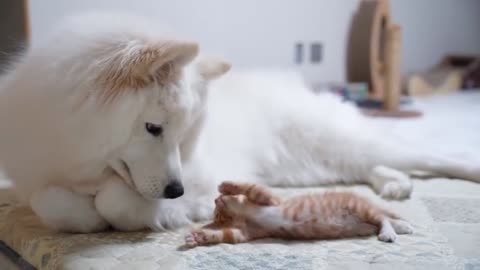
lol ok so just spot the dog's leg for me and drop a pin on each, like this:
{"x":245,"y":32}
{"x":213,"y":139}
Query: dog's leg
{"x":126,"y":210}
{"x":390,"y":167}
{"x":67,"y":211}
{"x":363,"y":159}
{"x":390,"y":183}
{"x":391,"y":179}
{"x":446,"y":167}
{"x":123,"y":207}
{"x":408,"y":158}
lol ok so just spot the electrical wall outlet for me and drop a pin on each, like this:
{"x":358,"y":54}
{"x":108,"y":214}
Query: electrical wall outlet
{"x":298,"y":53}
{"x":315,"y":53}
{"x":316,"y":49}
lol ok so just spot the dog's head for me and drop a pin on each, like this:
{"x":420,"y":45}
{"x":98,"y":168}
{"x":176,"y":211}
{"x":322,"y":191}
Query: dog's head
{"x":173,"y":89}
{"x":151,"y":89}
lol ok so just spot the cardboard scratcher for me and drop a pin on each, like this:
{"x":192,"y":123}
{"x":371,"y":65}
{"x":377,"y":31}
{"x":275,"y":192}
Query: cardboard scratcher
{"x":453,"y":73}
{"x":373,"y":56}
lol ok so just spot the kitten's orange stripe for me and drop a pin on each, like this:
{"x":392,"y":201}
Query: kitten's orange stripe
{"x":286,"y":232}
{"x":311,"y":201}
{"x":228,"y":236}
{"x":248,"y":191}
{"x":298,"y":210}
{"x":254,"y":193}
{"x":291,"y":210}
{"x":285,"y":211}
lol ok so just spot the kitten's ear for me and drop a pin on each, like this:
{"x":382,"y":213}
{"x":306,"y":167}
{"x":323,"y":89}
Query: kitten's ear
{"x":134,"y":66}
{"x":212,"y":68}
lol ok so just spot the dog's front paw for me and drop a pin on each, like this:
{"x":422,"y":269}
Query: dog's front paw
{"x":169,"y":216}
{"x":390,"y":183}
{"x":201,"y":212}
{"x":174,"y":214}
{"x":396,"y":190}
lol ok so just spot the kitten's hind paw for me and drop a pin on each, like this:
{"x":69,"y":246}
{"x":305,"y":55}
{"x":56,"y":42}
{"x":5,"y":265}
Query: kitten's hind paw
{"x":402,"y":226}
{"x":387,"y":236}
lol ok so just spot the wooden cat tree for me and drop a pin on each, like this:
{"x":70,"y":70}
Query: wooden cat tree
{"x":373,"y":56}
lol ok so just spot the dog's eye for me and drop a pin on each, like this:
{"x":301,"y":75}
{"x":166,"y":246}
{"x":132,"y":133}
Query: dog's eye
{"x":155,"y":130}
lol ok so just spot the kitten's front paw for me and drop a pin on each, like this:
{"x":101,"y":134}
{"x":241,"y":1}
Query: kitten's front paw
{"x":234,"y":203}
{"x":195,"y":238}
{"x":190,"y":240}
{"x":173,"y":214}
{"x":229,"y":188}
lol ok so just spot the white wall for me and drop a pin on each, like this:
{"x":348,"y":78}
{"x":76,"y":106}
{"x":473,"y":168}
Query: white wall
{"x":254,"y":33}
{"x":247,"y":32}
{"x":433,"y":28}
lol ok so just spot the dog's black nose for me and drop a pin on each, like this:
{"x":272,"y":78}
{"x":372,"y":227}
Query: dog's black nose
{"x":173,"y":190}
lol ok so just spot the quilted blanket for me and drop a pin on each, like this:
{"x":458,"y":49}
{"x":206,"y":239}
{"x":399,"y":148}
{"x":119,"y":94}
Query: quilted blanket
{"x":445,"y":214}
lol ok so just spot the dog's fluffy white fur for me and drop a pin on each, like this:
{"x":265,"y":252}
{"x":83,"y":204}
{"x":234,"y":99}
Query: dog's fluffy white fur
{"x":106,"y":114}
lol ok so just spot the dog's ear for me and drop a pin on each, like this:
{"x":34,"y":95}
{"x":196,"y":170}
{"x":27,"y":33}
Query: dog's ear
{"x":211,"y":68}
{"x":169,"y":58}
{"x":135,"y":66}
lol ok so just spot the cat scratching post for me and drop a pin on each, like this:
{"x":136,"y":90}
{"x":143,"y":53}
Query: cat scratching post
{"x":391,"y":95}
{"x":374,"y":54}
{"x":366,"y":46}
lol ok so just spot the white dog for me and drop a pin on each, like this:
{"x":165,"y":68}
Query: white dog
{"x":110,"y":121}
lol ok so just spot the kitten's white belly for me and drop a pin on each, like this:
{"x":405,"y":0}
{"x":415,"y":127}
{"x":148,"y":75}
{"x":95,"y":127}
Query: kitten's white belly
{"x":271,"y":218}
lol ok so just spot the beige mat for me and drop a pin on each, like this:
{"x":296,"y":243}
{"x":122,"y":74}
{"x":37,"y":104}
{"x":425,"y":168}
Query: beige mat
{"x":445,"y":213}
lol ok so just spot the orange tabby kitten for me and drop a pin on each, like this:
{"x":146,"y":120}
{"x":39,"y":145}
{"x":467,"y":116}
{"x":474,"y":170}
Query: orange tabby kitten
{"x":246,"y":212}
